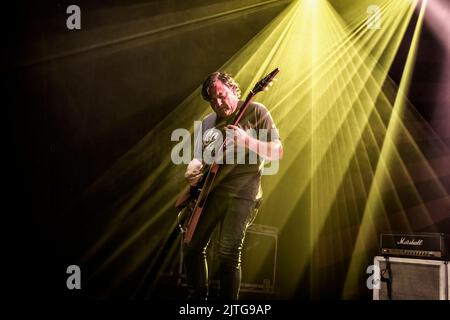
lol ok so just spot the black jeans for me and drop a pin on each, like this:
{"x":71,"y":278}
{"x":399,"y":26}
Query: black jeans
{"x":234,"y":216}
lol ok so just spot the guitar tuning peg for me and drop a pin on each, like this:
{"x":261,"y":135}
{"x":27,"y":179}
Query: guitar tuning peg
{"x":275,"y":79}
{"x":266,"y":89}
{"x":270,"y":83}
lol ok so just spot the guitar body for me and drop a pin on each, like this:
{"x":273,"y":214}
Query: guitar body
{"x":193,"y":202}
{"x":193,"y":199}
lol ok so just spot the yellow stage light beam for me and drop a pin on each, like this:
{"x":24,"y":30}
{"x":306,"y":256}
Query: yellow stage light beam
{"x":378,"y":86}
{"x":191,"y":108}
{"x":410,"y":182}
{"x":367,"y":230}
{"x":329,"y":105}
{"x":292,"y":127}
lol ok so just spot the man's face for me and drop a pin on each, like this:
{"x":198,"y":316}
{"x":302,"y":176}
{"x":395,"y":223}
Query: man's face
{"x":223,"y":100}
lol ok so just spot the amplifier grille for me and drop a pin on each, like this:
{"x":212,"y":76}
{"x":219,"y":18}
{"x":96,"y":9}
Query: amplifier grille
{"x":413,"y":279}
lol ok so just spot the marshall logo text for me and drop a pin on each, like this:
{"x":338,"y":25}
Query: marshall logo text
{"x":410,"y":242}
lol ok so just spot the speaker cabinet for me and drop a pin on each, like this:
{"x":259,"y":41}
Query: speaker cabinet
{"x":412,"y":279}
{"x":259,"y":259}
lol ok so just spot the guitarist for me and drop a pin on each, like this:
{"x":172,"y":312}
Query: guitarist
{"x":237,"y":188}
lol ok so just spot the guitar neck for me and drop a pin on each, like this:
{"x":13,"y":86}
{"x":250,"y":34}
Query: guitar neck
{"x":241,"y":111}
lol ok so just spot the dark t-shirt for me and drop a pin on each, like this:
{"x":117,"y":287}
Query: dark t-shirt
{"x":239,"y":174}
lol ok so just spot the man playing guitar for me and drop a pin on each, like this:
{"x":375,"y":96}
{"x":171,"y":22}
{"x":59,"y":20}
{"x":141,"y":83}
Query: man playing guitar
{"x":237,"y":187}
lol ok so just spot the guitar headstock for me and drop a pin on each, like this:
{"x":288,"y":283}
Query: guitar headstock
{"x":265,"y":82}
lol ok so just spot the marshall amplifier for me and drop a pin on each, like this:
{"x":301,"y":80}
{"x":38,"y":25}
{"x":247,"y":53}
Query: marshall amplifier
{"x":419,"y":245}
{"x":412,"y":279}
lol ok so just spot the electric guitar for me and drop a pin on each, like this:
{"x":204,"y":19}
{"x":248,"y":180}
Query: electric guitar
{"x":193,"y":199}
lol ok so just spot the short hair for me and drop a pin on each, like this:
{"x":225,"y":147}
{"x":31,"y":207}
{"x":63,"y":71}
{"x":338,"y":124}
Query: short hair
{"x":226,"y":80}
